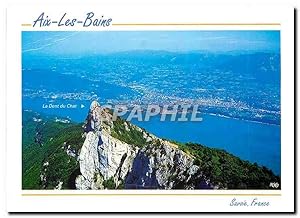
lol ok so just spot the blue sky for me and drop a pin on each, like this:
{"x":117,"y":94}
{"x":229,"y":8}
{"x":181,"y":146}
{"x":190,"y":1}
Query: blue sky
{"x":70,"y":43}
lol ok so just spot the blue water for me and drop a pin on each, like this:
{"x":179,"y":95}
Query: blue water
{"x":252,"y":141}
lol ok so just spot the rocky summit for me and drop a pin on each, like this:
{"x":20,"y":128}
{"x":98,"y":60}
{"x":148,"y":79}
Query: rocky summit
{"x":106,"y":160}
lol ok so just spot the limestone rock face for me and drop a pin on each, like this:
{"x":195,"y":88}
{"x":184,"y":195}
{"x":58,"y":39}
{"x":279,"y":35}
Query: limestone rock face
{"x":163,"y":167}
{"x":115,"y":157}
{"x":89,"y":159}
{"x":102,"y":156}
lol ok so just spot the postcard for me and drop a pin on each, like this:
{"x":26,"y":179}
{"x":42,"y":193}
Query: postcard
{"x":138,"y":109}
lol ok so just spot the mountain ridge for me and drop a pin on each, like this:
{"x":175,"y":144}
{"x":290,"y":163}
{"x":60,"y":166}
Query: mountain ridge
{"x":115,"y":154}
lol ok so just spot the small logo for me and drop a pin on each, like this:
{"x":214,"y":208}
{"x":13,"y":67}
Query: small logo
{"x":274,"y":184}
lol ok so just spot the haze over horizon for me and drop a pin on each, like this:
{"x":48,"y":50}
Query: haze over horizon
{"x":80,"y":43}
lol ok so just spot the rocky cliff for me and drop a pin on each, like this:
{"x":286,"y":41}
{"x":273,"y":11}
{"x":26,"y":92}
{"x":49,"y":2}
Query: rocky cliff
{"x":108,"y":162}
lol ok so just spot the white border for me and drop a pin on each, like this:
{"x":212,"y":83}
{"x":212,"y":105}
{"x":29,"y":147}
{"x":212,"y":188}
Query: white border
{"x":164,"y":13}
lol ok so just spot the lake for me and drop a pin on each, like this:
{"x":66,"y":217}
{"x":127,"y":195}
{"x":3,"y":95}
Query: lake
{"x":253,"y":141}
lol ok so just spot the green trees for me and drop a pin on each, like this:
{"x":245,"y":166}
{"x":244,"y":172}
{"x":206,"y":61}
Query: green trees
{"x":228,"y":171}
{"x":49,"y":158}
{"x":125,"y":132}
